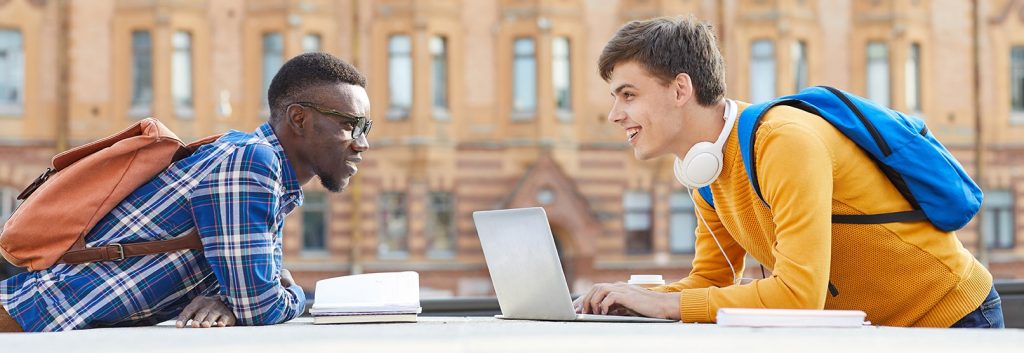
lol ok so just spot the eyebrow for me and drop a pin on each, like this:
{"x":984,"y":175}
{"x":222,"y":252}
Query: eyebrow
{"x":622,"y":87}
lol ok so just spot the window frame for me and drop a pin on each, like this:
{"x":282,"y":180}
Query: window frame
{"x":759,"y":61}
{"x":440,"y":76}
{"x":265,"y":70}
{"x":310,"y":206}
{"x":526,"y":83}
{"x":994,"y":217}
{"x":383,"y":232}
{"x":1016,"y":68}
{"x":644,"y":209}
{"x":398,"y":111}
{"x":17,"y":107}
{"x":138,"y":107}
{"x":914,"y":77}
{"x":186,"y":110}
{"x":429,"y":231}
{"x":886,"y":81}
{"x":689,"y":212}
{"x":561,"y":60}
{"x":801,"y":65}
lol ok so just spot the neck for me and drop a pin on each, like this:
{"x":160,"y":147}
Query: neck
{"x":289,"y":142}
{"x":707,"y":123}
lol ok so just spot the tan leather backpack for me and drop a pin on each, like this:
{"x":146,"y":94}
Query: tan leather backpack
{"x":64,"y":203}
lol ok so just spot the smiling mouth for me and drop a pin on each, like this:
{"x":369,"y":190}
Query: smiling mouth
{"x":631,"y":133}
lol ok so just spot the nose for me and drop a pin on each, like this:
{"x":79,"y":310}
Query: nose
{"x":616,"y":115}
{"x":361,"y":144}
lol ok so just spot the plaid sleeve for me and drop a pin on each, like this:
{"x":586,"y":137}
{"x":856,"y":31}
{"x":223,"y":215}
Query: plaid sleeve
{"x":236,"y":212}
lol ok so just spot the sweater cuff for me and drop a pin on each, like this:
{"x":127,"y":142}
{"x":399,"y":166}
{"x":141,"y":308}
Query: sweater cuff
{"x":694,"y":306}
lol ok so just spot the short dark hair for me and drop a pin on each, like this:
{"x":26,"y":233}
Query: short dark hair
{"x":308,"y":70}
{"x":666,"y":47}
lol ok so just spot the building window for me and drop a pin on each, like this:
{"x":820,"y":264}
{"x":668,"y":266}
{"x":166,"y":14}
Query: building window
{"x":762,"y":71}
{"x":12,"y":72}
{"x":561,"y":76}
{"x":394,"y":225}
{"x":439,"y":76}
{"x":637,"y":222}
{"x":878,"y":73}
{"x":273,"y":58}
{"x":912,"y":78}
{"x":1016,"y":79}
{"x":524,"y":79}
{"x":399,"y":76}
{"x":440,"y":225}
{"x":142,"y":74}
{"x":314,"y":221}
{"x":998,"y":219}
{"x":799,"y":65}
{"x":311,"y":43}
{"x":8,"y":203}
{"x":181,"y":73}
{"x":682,"y":222}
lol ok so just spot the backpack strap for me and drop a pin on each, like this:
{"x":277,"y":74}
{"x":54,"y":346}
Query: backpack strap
{"x":79,"y":254}
{"x":750,"y":120}
{"x":117,"y":252}
{"x":705,"y":192}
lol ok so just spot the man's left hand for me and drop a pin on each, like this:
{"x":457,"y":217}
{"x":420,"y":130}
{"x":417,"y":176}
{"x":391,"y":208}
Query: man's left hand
{"x":286,"y":278}
{"x":206,"y":312}
{"x":611,"y":298}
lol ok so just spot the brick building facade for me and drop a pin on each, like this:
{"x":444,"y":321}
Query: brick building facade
{"x":483,"y":104}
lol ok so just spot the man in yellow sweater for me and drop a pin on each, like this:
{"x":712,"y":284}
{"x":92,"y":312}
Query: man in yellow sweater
{"x":668,"y":82}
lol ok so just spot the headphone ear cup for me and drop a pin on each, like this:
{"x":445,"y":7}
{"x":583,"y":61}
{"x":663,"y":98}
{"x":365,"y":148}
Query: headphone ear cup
{"x":700,"y":166}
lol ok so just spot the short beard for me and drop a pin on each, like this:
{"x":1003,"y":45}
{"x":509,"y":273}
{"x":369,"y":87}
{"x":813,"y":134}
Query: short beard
{"x":329,"y":183}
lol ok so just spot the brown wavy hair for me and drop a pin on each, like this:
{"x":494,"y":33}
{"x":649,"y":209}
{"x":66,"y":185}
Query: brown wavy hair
{"x":666,"y":47}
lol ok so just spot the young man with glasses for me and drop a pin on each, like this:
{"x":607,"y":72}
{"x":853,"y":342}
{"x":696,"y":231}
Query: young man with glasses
{"x":236,"y":193}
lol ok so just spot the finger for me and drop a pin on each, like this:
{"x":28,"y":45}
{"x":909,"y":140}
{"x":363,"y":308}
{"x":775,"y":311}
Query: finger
{"x":186,"y":314}
{"x":585,"y":300}
{"x":229,"y":320}
{"x":211,"y":320}
{"x":595,"y":301}
{"x":200,"y":316}
{"x":607,"y":302}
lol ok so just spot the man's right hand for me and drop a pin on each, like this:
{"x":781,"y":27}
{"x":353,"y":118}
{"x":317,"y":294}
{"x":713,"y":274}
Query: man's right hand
{"x":621,"y":298}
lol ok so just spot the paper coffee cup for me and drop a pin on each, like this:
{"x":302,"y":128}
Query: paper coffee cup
{"x":646,"y":281}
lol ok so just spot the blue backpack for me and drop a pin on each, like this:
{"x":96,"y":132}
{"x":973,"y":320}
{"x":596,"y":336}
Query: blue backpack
{"x":923,"y":171}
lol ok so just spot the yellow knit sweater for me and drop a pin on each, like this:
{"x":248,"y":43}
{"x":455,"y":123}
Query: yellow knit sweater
{"x":900,"y":274}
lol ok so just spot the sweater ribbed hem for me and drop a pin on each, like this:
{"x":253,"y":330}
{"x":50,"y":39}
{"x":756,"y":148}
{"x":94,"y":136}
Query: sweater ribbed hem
{"x":693,"y":305}
{"x":961,"y":300}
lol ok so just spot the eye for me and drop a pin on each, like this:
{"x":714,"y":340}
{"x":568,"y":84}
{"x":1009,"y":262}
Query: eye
{"x":628,"y":95}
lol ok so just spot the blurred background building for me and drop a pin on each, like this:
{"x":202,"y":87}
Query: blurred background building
{"x":484,"y":104}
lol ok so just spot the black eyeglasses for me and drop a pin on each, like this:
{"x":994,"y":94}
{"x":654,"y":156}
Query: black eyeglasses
{"x":360,"y":125}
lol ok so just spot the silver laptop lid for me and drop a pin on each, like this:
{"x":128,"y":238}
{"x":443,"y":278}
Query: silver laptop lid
{"x":524,"y":265}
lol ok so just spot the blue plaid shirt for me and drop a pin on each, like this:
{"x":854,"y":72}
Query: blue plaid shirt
{"x":235,"y":191}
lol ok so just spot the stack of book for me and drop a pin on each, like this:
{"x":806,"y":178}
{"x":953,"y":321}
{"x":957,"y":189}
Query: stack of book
{"x":373,"y":297}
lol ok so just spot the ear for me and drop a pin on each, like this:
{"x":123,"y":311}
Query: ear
{"x":296,"y":119}
{"x":683,"y":88}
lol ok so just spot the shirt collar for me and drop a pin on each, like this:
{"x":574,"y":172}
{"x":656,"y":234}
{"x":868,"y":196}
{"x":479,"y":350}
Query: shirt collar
{"x":292,"y":188}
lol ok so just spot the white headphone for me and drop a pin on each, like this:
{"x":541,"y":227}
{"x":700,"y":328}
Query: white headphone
{"x":703,"y":162}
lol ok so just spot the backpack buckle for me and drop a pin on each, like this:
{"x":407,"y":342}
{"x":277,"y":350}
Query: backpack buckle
{"x":120,"y":251}
{"x":36,"y":184}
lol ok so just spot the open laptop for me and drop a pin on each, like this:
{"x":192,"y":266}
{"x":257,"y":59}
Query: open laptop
{"x":525,"y":268}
